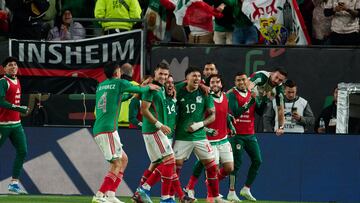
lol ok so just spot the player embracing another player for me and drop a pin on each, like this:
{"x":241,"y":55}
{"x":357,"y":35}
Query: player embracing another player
{"x":109,"y":95}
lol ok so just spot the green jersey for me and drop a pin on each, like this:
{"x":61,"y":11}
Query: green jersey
{"x":109,"y":95}
{"x":191,"y":108}
{"x":171,"y":114}
{"x":157,"y":109}
{"x":261,"y":79}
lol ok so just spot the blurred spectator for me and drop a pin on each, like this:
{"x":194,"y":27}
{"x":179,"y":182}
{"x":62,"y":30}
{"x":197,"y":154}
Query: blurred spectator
{"x":66,"y":29}
{"x":199,"y":17}
{"x":345,"y":21}
{"x":158,"y":18}
{"x":127,"y":71}
{"x":80,"y":11}
{"x":26,"y":18}
{"x":328,"y":115}
{"x":244,"y":30}
{"x":321,"y":24}
{"x":298,"y":114}
{"x":223,"y":27}
{"x":50,"y":16}
{"x":122,"y":9}
{"x":135,"y":116}
{"x":4,"y":19}
{"x":209,"y":69}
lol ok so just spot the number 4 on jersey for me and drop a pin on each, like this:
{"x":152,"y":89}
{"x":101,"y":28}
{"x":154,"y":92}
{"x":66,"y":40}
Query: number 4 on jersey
{"x":102,"y":102}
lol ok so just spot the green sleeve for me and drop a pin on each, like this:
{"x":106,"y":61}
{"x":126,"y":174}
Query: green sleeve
{"x":147,"y":96}
{"x":229,"y":122}
{"x":261,"y":103}
{"x":3,"y":87}
{"x":134,"y":108}
{"x":128,"y":87}
{"x":259,"y":78}
{"x":209,"y":102}
{"x":279,"y":95}
{"x":180,"y":85}
{"x":234,"y":107}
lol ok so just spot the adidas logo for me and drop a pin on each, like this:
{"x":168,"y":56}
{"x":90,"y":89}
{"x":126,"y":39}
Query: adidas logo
{"x":182,"y":99}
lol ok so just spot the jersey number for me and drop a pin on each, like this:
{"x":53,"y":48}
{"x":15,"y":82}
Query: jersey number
{"x":102,"y":102}
{"x":190,"y":108}
{"x":172,"y":109}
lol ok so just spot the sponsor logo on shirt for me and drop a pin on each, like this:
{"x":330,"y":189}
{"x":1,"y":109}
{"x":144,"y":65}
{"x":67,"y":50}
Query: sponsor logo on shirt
{"x":198,"y":99}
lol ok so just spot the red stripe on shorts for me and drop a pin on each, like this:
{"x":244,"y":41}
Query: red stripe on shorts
{"x":111,"y":142}
{"x":159,"y":143}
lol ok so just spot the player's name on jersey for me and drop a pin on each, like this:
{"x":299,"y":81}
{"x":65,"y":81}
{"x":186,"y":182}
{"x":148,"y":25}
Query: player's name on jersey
{"x":106,"y":87}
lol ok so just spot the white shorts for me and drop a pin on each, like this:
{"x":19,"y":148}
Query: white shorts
{"x":110,"y":145}
{"x":201,"y":148}
{"x":157,"y":145}
{"x":223,"y":153}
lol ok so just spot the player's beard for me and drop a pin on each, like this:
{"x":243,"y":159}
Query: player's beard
{"x":216,"y":90}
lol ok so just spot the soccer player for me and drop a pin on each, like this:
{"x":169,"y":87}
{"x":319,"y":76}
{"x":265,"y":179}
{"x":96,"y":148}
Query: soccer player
{"x":10,"y":122}
{"x":153,"y":175}
{"x":109,"y":95}
{"x":242,"y":106}
{"x":192,"y":105}
{"x":217,"y":136}
{"x":209,"y":69}
{"x":155,"y":130}
{"x":269,"y":84}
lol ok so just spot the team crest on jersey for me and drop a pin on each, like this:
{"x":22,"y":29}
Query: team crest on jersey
{"x":198,"y":99}
{"x":238,"y":146}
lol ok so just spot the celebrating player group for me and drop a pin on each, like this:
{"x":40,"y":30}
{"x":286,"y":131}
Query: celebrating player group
{"x":195,"y":115}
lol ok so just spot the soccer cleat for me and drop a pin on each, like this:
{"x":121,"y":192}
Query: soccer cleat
{"x":113,"y":200}
{"x":168,"y":200}
{"x":187,"y":199}
{"x":190,"y":194}
{"x":219,"y":199}
{"x":233,"y":197}
{"x":216,"y":200}
{"x":16,"y":189}
{"x":245,"y":192}
{"x":136,"y":198}
{"x":96,"y":199}
{"x":144,"y":195}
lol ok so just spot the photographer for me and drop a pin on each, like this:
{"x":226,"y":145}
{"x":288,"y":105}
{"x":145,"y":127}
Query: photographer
{"x":298,"y":114}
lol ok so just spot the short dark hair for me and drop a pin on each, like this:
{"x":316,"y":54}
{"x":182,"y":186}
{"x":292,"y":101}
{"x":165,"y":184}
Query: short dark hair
{"x":209,"y":63}
{"x":290,"y":83}
{"x":240,"y":74}
{"x":109,"y":69}
{"x":162,"y":65}
{"x":281,"y":70}
{"x":9,"y":59}
{"x":191,"y":69}
{"x":216,"y":76}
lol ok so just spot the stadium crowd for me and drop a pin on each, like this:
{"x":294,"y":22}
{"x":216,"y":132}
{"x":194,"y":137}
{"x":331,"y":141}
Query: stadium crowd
{"x":332,"y":22}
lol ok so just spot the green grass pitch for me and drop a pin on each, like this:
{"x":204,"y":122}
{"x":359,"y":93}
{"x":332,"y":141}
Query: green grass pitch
{"x":82,"y":199}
